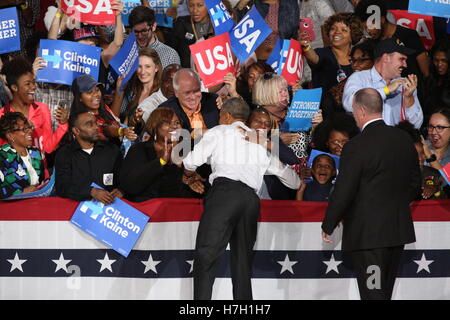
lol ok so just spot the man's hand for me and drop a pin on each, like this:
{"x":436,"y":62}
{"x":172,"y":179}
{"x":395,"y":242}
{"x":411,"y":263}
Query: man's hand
{"x":101,"y":195}
{"x":410,"y":85}
{"x":325,"y":238}
{"x":117,"y":193}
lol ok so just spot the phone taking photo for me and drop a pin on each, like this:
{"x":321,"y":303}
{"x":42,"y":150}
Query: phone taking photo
{"x":307,"y":25}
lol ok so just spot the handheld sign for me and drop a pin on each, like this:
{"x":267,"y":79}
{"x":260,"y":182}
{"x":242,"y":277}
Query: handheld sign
{"x":163,"y":20}
{"x":66,"y":60}
{"x":445,"y":172}
{"x":9,"y":30}
{"x":97,"y":12}
{"x":293,"y":68}
{"x":220,"y":17}
{"x":434,"y":8}
{"x":160,"y":3}
{"x":213,"y":59}
{"x":126,"y":61}
{"x":304,"y":105}
{"x":283,"y":55}
{"x":275,"y":56}
{"x":248,"y":34}
{"x":117,"y":225}
{"x":421,"y":23}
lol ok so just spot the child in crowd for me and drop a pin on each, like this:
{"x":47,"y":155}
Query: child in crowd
{"x":323,"y":172}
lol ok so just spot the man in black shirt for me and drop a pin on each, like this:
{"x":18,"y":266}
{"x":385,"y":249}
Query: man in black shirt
{"x":87,"y":160}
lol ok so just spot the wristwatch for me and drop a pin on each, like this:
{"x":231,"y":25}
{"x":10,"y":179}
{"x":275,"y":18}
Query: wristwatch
{"x":432,"y":158}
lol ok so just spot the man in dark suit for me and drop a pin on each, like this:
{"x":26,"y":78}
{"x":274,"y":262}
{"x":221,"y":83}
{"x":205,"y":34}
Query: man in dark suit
{"x":197,"y":110}
{"x":379,"y":176}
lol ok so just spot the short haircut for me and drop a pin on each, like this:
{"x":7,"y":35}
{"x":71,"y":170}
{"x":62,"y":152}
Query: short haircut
{"x":73,"y":118}
{"x":350,"y":20}
{"x":141,"y":14}
{"x":8,"y":122}
{"x":409,"y":128}
{"x":157,"y":118}
{"x":369,"y":99}
{"x":324,"y":155}
{"x":363,"y":5}
{"x":16,"y":68}
{"x":237,"y":107}
{"x":181,"y":72}
{"x":266,"y":89}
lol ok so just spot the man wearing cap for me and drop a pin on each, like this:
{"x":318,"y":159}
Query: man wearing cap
{"x":399,"y":94}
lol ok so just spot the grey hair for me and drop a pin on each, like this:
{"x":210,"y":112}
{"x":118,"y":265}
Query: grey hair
{"x":181,"y":72}
{"x":237,"y":107}
{"x":369,"y":99}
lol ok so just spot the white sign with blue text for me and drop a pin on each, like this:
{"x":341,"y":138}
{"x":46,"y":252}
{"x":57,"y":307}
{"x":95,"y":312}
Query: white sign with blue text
{"x":248,"y":34}
{"x":220,"y":17}
{"x":117,"y":225}
{"x":126,"y":61}
{"x":9,"y":30}
{"x":66,"y":60}
{"x":305,"y":104}
{"x":436,"y":8}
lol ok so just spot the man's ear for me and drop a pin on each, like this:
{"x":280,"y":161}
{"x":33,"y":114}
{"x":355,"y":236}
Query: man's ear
{"x":154,"y":27}
{"x":75,"y":131}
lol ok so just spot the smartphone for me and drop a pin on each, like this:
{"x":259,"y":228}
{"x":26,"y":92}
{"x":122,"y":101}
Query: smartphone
{"x":307,"y":25}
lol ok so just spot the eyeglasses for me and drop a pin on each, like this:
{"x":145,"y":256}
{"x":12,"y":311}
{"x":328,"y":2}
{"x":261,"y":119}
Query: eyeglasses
{"x":143,"y":31}
{"x":439,"y":129}
{"x":24,"y":129}
{"x":360,"y":60}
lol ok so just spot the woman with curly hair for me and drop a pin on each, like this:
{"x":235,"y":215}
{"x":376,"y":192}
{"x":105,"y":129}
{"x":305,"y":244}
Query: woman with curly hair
{"x":331,"y":65}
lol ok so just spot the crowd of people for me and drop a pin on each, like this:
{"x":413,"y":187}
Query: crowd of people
{"x":128,"y":142}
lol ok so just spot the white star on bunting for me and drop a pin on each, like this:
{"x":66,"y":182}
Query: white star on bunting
{"x":332,"y":265}
{"x":150,"y":264}
{"x":287,"y":265}
{"x":423,"y":264}
{"x":106,"y":263}
{"x":16,"y":263}
{"x":61,"y":263}
{"x":191,"y":262}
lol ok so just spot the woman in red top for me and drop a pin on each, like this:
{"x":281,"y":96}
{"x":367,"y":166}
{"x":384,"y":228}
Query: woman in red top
{"x":21,"y":82}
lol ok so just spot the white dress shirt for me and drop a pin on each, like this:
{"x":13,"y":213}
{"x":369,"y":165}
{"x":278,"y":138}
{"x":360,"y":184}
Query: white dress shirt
{"x":231,"y":156}
{"x":392,"y":103}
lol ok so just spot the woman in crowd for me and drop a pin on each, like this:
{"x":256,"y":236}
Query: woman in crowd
{"x":20,"y":78}
{"x":145,"y":82}
{"x":333,"y":133}
{"x":272,"y":188}
{"x":361,"y":58}
{"x":148,"y":170}
{"x":270,"y":91}
{"x":436,"y":88}
{"x":248,"y":78}
{"x":331,"y":65}
{"x":87,"y":96}
{"x":21,"y":164}
{"x":437,"y":147}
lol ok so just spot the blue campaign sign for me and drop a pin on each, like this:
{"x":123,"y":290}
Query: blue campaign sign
{"x":304,"y":105}
{"x":9,"y":30}
{"x":126,"y":61}
{"x":315,"y":153}
{"x":283,"y":55}
{"x":160,"y":3}
{"x":66,"y":60}
{"x":248,"y":34}
{"x":436,"y":8}
{"x":117,"y":225}
{"x":128,"y":6}
{"x":275,"y":56}
{"x":448,"y":26}
{"x":220,"y":17}
{"x":163,"y":20}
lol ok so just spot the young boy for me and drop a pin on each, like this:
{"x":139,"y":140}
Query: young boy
{"x":323,"y":171}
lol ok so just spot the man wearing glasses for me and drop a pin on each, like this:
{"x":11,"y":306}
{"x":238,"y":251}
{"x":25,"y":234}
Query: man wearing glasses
{"x":142,"y":22}
{"x":399,"y":94}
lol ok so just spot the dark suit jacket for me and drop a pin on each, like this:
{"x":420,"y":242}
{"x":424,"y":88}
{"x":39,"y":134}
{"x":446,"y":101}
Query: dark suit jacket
{"x":379,"y":176}
{"x":209,"y":110}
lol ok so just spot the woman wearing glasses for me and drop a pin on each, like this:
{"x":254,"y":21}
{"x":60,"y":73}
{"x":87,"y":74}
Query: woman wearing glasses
{"x":437,"y":147}
{"x":21,"y":164}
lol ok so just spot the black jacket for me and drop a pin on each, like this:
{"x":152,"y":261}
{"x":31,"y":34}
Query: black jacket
{"x":143,"y":177}
{"x":209,"y":110}
{"x":76,"y":169}
{"x":379,"y":176}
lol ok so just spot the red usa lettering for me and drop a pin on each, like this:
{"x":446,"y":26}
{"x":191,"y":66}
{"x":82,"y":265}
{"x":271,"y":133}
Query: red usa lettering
{"x":421,"y":27}
{"x":217,"y":55}
{"x":86,"y":6}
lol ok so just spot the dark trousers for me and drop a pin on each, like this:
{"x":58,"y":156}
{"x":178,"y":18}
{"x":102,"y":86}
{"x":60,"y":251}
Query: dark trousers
{"x":230,"y":215}
{"x":376,"y":270}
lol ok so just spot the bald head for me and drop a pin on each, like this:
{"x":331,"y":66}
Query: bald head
{"x":185,"y":75}
{"x":367,"y":106}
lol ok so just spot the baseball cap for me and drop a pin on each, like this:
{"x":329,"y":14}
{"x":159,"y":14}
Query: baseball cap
{"x":391,"y":45}
{"x":84,"y":33}
{"x":84,"y":83}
